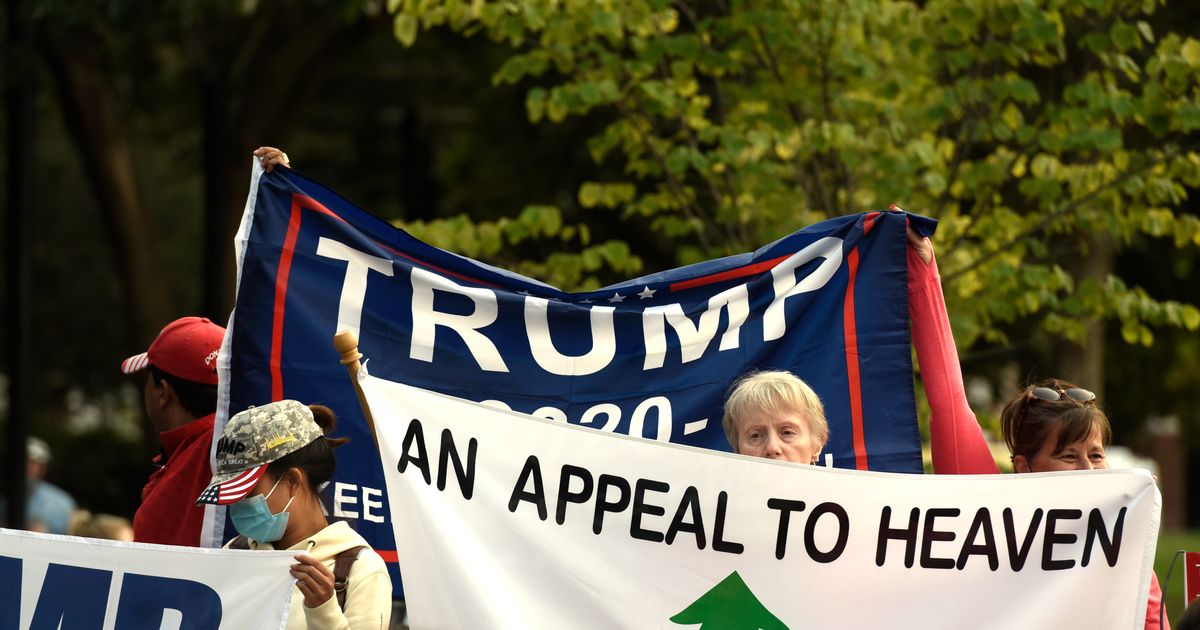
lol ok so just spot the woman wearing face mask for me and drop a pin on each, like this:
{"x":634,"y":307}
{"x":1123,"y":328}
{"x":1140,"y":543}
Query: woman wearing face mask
{"x":271,"y":462}
{"x":1055,"y":425}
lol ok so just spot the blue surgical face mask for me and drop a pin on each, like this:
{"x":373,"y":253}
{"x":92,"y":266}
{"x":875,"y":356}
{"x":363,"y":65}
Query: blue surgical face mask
{"x":253,"y":519}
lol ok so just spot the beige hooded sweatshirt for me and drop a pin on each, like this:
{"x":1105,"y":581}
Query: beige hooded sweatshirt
{"x":368,"y":588}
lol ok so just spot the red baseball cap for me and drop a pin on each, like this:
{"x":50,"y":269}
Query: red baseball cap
{"x":187,"y":348}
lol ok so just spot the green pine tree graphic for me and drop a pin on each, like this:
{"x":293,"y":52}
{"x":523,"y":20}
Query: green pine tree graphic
{"x":729,"y":605}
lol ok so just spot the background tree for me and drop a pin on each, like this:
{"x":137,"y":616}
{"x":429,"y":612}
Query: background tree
{"x":582,"y":142}
{"x":1015,"y":124}
{"x":408,"y":133}
{"x":1047,"y":137}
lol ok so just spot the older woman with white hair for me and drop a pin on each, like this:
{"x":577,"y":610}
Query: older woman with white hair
{"x":775,"y":414}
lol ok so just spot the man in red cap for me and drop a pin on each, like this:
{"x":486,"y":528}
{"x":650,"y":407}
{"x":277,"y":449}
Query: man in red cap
{"x":180,"y":399}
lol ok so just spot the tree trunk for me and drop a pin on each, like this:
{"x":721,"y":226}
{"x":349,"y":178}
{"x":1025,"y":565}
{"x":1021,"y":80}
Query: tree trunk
{"x":251,"y":95}
{"x":1084,"y":364}
{"x":90,"y":112}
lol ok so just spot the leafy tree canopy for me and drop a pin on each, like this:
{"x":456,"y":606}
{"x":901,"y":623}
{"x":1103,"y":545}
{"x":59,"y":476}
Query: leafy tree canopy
{"x":1030,"y":129}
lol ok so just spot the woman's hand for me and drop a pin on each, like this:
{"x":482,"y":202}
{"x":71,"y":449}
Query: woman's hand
{"x":921,"y":245}
{"x":314,"y":580}
{"x":270,"y":157}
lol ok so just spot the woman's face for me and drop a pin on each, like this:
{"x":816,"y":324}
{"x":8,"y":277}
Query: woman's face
{"x":277,"y":499}
{"x":783,"y":436}
{"x":1086,"y":454}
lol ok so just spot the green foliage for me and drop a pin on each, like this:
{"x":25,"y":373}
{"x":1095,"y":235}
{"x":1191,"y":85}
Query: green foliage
{"x":493,"y":240}
{"x":1031,"y":129}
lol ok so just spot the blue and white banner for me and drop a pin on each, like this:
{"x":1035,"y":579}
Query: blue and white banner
{"x":49,"y":582}
{"x":650,"y":357}
{"x":506,"y":521}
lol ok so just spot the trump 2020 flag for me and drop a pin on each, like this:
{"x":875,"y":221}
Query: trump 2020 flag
{"x":67,"y":582}
{"x":651,"y":357}
{"x":503,"y":521}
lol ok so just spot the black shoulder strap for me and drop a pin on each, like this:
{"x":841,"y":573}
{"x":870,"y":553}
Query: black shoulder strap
{"x":341,"y":572}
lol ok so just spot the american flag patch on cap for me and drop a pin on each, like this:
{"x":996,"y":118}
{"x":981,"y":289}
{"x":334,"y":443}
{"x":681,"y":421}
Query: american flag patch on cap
{"x":232,"y":489}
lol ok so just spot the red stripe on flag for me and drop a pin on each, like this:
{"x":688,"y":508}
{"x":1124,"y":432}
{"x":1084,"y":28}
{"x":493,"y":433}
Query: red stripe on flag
{"x":740,"y":272}
{"x":388,"y":555}
{"x":308,"y":203}
{"x":283,"y":271}
{"x":869,"y":221}
{"x":851,"y":334}
{"x":281,"y":282}
{"x":314,"y":205}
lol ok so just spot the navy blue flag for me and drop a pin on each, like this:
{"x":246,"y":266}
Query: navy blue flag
{"x":651,"y":357}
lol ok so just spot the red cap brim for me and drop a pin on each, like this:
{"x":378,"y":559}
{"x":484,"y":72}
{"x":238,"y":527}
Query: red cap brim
{"x":135,"y":363}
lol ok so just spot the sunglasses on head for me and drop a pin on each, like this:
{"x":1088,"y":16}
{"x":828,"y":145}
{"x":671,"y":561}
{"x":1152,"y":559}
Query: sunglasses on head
{"x":1053,"y":395}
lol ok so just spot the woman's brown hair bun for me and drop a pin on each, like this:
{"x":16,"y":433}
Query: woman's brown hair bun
{"x":327,"y":420}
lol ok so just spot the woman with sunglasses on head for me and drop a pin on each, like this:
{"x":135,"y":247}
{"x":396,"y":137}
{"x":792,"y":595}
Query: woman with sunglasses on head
{"x":1055,"y":425}
{"x":1063,"y":429}
{"x":271,"y":463}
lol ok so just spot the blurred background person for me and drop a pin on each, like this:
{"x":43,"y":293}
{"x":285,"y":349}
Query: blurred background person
{"x":48,"y":507}
{"x":105,"y":526}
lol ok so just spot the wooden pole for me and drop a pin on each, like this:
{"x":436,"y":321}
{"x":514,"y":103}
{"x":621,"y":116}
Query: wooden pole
{"x":346,"y":343}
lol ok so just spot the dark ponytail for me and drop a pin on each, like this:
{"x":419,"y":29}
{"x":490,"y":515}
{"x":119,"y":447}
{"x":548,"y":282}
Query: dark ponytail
{"x":316,"y":459}
{"x":327,"y":420}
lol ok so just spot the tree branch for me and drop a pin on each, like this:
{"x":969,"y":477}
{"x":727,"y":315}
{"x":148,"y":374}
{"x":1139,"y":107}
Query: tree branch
{"x":1063,"y":211}
{"x":689,"y":208}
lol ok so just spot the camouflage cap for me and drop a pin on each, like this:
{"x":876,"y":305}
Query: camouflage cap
{"x":251,"y":440}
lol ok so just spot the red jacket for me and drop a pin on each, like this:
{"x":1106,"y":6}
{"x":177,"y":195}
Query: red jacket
{"x":169,"y":514}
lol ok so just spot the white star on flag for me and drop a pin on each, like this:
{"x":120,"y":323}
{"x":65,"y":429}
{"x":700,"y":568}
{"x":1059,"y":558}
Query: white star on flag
{"x":617,"y":297}
{"x":585,"y":301}
{"x":647,"y":293}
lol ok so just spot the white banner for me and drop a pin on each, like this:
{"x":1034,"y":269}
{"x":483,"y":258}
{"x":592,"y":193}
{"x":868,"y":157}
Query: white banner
{"x":503,"y":520}
{"x":85,"y":584}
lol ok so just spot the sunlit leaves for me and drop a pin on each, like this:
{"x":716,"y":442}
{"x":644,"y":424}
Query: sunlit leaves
{"x":1028,"y":128}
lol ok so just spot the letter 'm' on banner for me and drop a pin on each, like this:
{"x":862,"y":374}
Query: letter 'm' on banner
{"x":694,"y":339}
{"x":72,"y":597}
{"x":10,"y":592}
{"x":145,"y":599}
{"x":112,"y":585}
{"x":354,"y":287}
{"x":426,"y":320}
{"x":784,"y":274}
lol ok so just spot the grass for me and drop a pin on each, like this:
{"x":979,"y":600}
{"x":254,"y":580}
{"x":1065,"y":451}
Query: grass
{"x":1168,"y":543}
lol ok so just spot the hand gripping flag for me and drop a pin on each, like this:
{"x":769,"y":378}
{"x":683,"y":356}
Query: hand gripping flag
{"x":650,"y":357}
